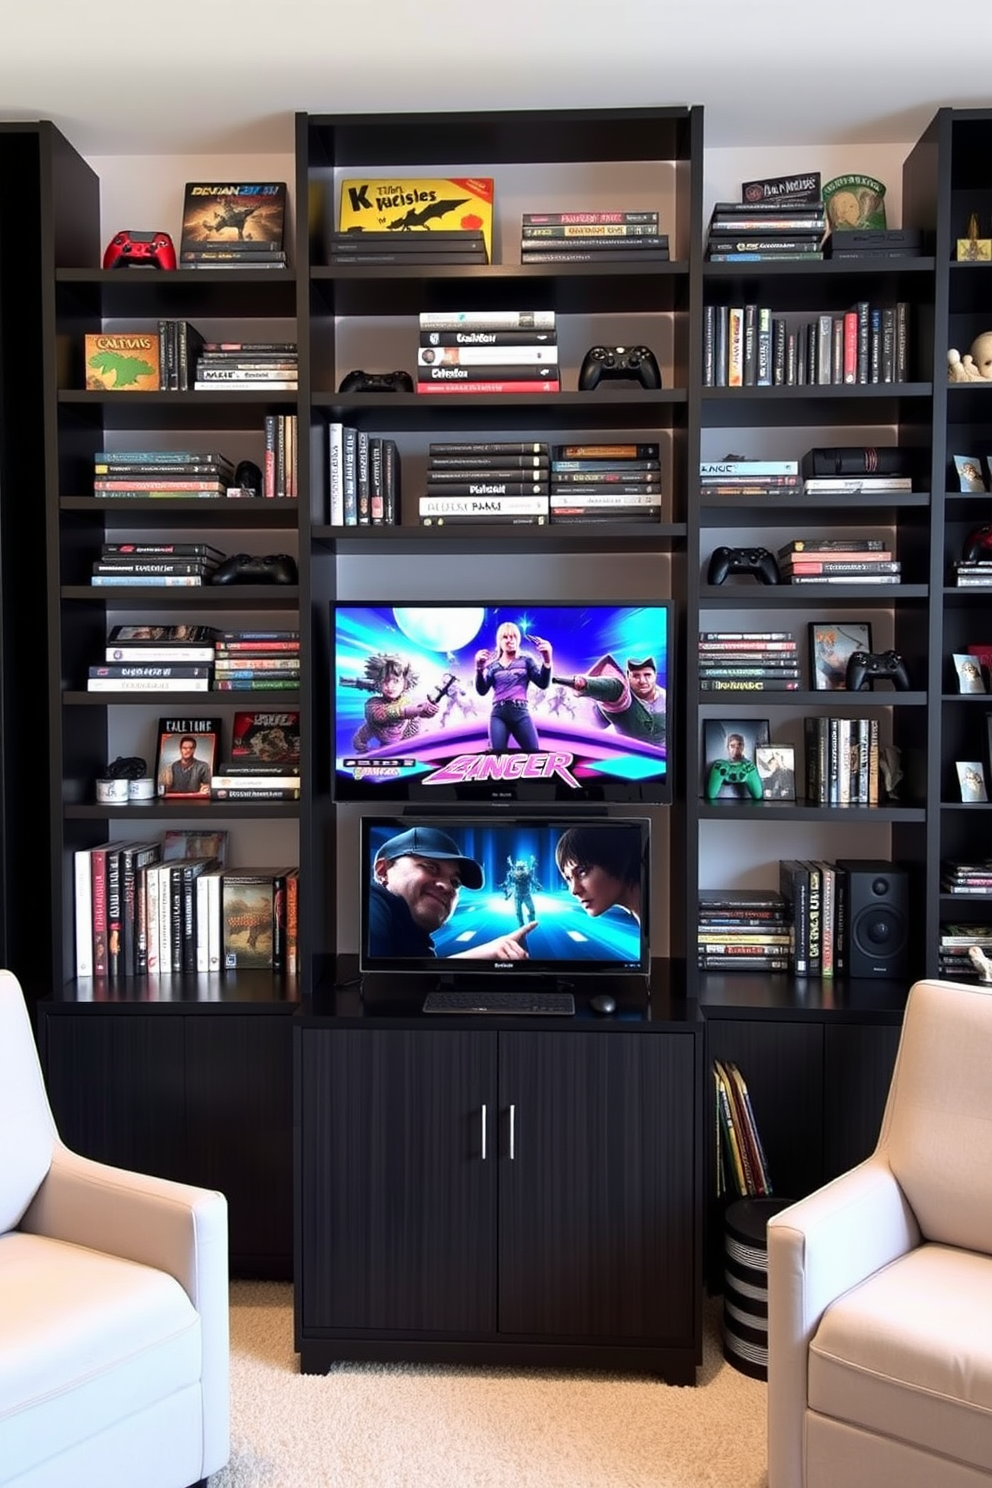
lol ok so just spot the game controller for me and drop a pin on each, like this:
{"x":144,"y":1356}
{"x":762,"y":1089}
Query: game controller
{"x":757,"y":561}
{"x":632,"y":363}
{"x":140,"y":250}
{"x":733,"y":772}
{"x":865,"y":668}
{"x":249,"y":568}
{"x":978,"y":544}
{"x":376,"y":382}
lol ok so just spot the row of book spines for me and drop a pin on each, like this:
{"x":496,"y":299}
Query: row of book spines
{"x":842,"y":761}
{"x":363,"y":478}
{"x":817,"y":892}
{"x":138,"y":915}
{"x":179,"y":344}
{"x":738,"y":1138}
{"x":280,"y":457}
{"x":749,"y":346}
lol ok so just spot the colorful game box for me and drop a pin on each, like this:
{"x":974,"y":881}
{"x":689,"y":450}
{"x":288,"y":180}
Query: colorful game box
{"x":418,"y":205}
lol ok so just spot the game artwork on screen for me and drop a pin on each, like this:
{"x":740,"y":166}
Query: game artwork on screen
{"x":504,"y":701}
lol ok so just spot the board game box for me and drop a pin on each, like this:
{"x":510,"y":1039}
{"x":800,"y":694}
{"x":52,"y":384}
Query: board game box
{"x":123,"y":363}
{"x":239,"y":217}
{"x":419,"y":204}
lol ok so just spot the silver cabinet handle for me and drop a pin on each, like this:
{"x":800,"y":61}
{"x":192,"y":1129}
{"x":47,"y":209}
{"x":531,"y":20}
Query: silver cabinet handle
{"x":483,"y":1133}
{"x":513,"y":1131}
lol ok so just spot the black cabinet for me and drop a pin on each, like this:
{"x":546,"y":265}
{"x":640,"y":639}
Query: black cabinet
{"x":498,"y":1195}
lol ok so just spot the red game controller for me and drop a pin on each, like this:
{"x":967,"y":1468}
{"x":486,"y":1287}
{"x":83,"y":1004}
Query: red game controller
{"x":140,"y":250}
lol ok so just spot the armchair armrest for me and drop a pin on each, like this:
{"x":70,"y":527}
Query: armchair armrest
{"x":818,"y":1249}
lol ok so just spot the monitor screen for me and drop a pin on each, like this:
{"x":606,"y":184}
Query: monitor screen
{"x":529,"y":703}
{"x":516,"y":896}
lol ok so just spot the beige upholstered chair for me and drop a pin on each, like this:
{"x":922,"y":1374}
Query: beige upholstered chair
{"x":880,"y":1284}
{"x":114,"y":1347}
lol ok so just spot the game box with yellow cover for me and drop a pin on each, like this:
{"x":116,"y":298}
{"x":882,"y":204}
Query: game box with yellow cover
{"x":418,"y":205}
{"x":125,"y":362}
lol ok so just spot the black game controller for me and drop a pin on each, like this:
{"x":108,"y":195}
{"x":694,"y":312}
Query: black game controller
{"x":757,"y":561}
{"x":376,"y":382}
{"x":250,"y":568}
{"x":865,"y":668}
{"x":978,"y":544}
{"x":733,"y":772}
{"x":631,"y":363}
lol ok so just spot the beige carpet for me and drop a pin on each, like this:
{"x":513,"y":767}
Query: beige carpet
{"x":415,"y":1426}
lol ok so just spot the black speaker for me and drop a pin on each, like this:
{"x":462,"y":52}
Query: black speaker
{"x":875,"y":931}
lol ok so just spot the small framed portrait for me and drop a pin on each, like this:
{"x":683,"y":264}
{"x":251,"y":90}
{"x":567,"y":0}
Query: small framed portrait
{"x":969,"y":469}
{"x":971,"y":778}
{"x":731,"y":744}
{"x":777,"y":771}
{"x":968,"y":670}
{"x":187,"y":753}
{"x":831,"y":644}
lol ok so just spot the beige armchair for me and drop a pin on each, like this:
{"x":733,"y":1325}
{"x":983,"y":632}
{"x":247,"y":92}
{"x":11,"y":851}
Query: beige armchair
{"x":880,"y":1283}
{"x":114,"y":1350}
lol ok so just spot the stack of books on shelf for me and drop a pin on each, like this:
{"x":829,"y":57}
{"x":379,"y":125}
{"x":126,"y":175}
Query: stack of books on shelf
{"x":748,"y":345}
{"x":502,"y":481}
{"x":156,"y":658}
{"x":953,"y":960}
{"x":742,"y":1167}
{"x":605,"y":483}
{"x":363,"y":478}
{"x":743,"y":930}
{"x":488,"y":351}
{"x":280,"y":458}
{"x":842,"y":761}
{"x":592,"y":237}
{"x":857,"y":485}
{"x":973,"y":573}
{"x":257,"y":661}
{"x":233,"y":225}
{"x":410,"y":220}
{"x":723,"y":480}
{"x":748,"y":661}
{"x":179,"y":345}
{"x":237,"y":367}
{"x":812,"y":889}
{"x":451,"y":246}
{"x":130,"y":475}
{"x":830,"y":560}
{"x":768,"y":231}
{"x":966,"y":876}
{"x":175,"y":565}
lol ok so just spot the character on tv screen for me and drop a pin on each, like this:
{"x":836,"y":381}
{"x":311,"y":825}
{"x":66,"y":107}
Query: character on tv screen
{"x":521,"y":878}
{"x":417,"y":877}
{"x":630,"y":701}
{"x":391,"y":715}
{"x":602,"y":868}
{"x":507,"y":673}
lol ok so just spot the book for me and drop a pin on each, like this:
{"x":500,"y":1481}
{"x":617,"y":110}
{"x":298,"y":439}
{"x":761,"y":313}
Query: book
{"x":122,"y":362}
{"x":484,"y":320}
{"x":236,"y":216}
{"x":554,"y":219}
{"x":247,"y":897}
{"x":475,"y":388}
{"x":83,"y":911}
{"x":417,"y":204}
{"x":187,"y":751}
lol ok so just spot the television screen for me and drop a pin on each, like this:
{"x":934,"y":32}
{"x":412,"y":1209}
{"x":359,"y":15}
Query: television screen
{"x":529,"y":703}
{"x":523,"y":895}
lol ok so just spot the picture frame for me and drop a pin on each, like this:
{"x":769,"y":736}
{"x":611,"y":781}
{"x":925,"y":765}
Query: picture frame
{"x":720,"y":736}
{"x":969,"y":469}
{"x":182,"y":773}
{"x":831,"y":645}
{"x":971,"y":779}
{"x":777,"y":771}
{"x":968,"y":670}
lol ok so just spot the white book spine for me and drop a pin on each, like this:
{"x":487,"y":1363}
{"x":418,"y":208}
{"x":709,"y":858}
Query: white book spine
{"x":214,"y":884}
{"x":84,"y":914}
{"x":202,"y":922}
{"x":151,"y":921}
{"x":335,"y":434}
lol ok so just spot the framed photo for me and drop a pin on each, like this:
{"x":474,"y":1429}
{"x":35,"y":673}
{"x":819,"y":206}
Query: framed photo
{"x":187,"y":756}
{"x":734,"y":740}
{"x":971,"y":778}
{"x":969,"y":469}
{"x":831,"y":643}
{"x":968,"y":670}
{"x":777,"y":771}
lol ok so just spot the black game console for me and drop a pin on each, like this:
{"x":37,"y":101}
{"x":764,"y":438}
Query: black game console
{"x":620,"y":363}
{"x":251,"y":568}
{"x":756,"y":561}
{"x":376,"y":382}
{"x":865,"y":668}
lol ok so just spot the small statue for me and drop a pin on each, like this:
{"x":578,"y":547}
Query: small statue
{"x":974,"y":366}
{"x":981,"y":963}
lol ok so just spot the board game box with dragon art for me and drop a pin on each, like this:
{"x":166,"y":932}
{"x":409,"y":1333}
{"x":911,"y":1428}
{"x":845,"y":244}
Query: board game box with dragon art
{"x":418,"y":205}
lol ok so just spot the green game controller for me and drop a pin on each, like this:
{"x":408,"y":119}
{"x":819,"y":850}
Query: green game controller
{"x":733,"y":772}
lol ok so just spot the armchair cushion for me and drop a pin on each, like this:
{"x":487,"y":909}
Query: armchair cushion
{"x":27,"y":1131}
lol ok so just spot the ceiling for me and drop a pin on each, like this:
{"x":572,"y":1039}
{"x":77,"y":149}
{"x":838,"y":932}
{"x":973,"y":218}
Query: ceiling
{"x":202,"y":76}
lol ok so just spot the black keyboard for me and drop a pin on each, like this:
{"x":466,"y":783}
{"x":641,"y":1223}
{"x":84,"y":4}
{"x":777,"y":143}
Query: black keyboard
{"x":553,"y":1004}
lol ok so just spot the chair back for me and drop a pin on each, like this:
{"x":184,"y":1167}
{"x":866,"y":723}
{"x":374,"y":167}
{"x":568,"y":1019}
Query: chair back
{"x":27,"y":1130}
{"x":937,"y":1128}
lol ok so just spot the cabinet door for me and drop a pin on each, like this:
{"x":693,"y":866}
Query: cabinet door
{"x":858,"y":1062}
{"x":597,"y":1222}
{"x":398,"y":1187}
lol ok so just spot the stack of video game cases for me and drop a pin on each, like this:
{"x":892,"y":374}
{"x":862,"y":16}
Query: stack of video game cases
{"x":173,"y":565}
{"x":257,"y":661}
{"x":605,"y":483}
{"x":488,"y":351}
{"x":402,"y":249}
{"x":132,"y":475}
{"x":591,"y":237}
{"x":766,"y":231}
{"x":501,"y":481}
{"x":155,"y":658}
{"x":240,"y":365}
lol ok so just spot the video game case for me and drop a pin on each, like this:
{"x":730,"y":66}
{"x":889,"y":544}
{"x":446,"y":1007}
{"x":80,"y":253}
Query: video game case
{"x":523,"y":355}
{"x":606,"y":514}
{"x":497,"y":447}
{"x":491,"y":338}
{"x":610,"y":243}
{"x":593,"y":255}
{"x":605,"y":451}
{"x":428,"y":256}
{"x":440,"y":480}
{"x":258,"y":685}
{"x":609,"y":490}
{"x":490,"y":504}
{"x":465,"y":519}
{"x":428,"y":376}
{"x":743,"y":684}
{"x":567,"y":219}
{"x":583,"y":497}
{"x":456,"y":466}
{"x":476,"y":388}
{"x":564,"y":232}
{"x":460,"y":320}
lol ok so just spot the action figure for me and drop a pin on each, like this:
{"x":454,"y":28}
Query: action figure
{"x":391,"y":715}
{"x":520,"y":879}
{"x":630,"y":701}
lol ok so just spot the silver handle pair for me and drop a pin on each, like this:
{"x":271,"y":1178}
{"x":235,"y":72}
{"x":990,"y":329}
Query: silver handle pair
{"x":513,"y":1131}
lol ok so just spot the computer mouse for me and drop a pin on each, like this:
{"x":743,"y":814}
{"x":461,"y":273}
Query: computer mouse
{"x":603,"y":1003}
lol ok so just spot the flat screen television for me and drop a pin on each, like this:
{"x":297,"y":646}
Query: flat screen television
{"x":517,"y":896}
{"x":542,"y":703}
